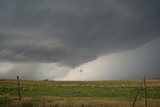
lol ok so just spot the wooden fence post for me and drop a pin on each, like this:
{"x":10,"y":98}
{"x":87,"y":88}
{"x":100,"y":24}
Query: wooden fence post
{"x":145,"y":92}
{"x":143,"y":82}
{"x":18,"y":88}
{"x":133,"y":105}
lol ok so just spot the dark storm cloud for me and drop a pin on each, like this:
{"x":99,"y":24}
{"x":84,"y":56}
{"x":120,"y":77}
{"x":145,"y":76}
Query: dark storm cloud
{"x":74,"y":32}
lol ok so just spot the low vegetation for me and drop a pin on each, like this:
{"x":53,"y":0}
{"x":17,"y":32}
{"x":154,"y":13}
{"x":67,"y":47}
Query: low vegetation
{"x":77,"y":93}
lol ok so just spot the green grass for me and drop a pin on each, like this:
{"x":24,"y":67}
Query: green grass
{"x":78,"y":92}
{"x":119,"y":90}
{"x":109,"y":89}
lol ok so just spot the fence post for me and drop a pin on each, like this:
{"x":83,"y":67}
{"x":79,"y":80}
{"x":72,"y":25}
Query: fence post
{"x":133,"y":105}
{"x":143,"y":82}
{"x":145,"y":92}
{"x":18,"y":88}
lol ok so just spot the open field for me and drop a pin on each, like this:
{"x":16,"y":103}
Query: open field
{"x":77,"y":93}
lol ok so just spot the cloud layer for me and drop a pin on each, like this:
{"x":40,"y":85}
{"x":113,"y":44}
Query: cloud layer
{"x":132,"y":64}
{"x":64,"y":34}
{"x":74,"y":32}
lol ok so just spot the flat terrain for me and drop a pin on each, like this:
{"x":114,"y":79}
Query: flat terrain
{"x":78,"y":93}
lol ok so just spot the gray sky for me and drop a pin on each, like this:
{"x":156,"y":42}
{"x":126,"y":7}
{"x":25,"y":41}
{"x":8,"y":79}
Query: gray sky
{"x":55,"y":39}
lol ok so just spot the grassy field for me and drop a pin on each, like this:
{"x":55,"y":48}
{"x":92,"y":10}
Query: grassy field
{"x":77,"y":93}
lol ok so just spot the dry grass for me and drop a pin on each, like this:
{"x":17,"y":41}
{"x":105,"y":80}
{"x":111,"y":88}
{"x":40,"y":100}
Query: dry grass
{"x":50,"y":101}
